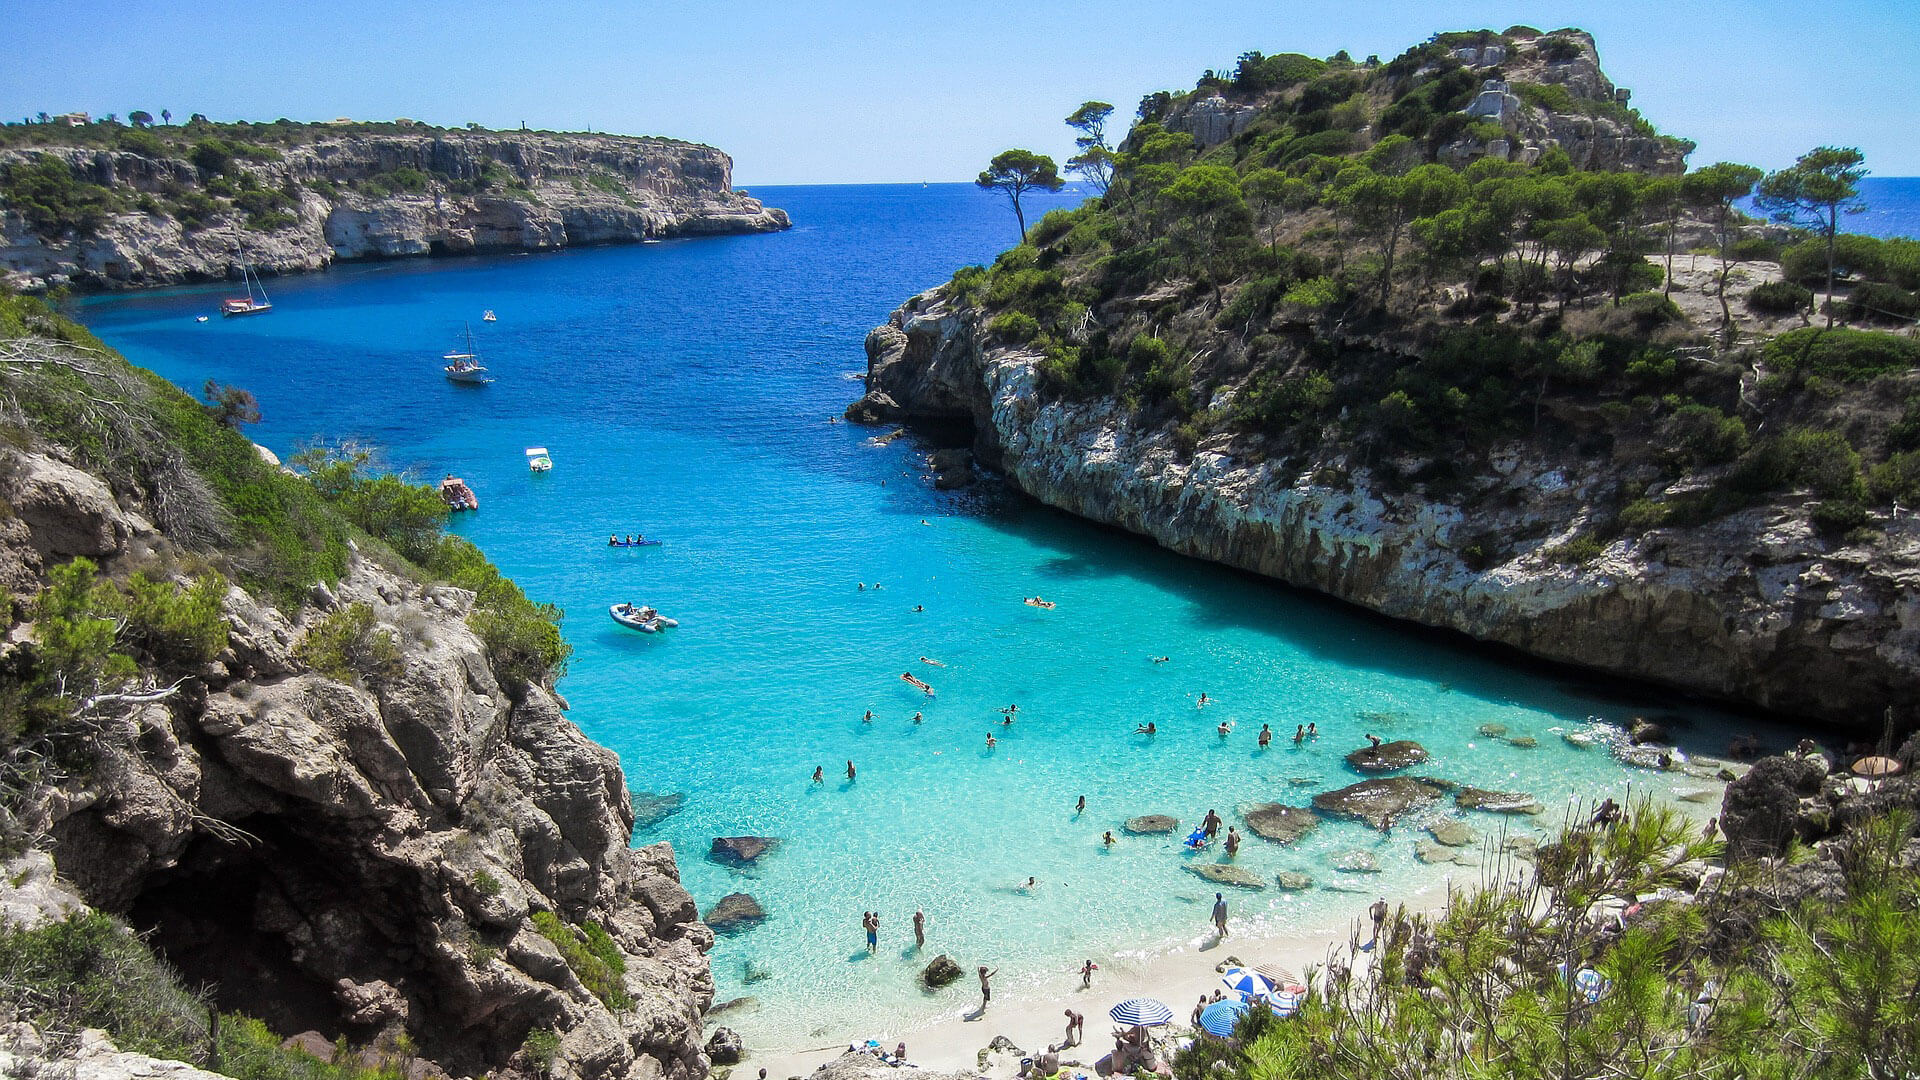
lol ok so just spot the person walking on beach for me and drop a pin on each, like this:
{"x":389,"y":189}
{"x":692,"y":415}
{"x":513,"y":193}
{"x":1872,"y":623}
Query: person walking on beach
{"x":1210,"y":824}
{"x":986,"y":987}
{"x":1378,"y":913}
{"x":849,"y":772}
{"x":1086,"y":974}
{"x":1220,"y":913}
{"x":919,"y":929}
{"x":1199,"y":1008}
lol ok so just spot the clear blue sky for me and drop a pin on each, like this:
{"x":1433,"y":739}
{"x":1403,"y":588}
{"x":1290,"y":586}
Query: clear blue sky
{"x":828,"y":92}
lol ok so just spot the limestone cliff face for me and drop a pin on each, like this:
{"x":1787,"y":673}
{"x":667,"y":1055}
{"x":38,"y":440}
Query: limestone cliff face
{"x":1754,"y":606}
{"x":365,"y":857}
{"x":541,"y":192}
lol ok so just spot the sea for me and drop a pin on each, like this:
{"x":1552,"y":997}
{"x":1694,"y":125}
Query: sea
{"x":1890,"y":206}
{"x":688,"y":390}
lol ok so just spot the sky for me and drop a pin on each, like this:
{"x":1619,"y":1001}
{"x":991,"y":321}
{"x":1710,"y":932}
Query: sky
{"x":873,"y":92}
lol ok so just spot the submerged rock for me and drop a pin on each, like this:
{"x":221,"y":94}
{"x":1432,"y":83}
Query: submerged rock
{"x":1524,"y":742}
{"x":740,"y":850}
{"x":735,"y":912}
{"x":1379,"y":801}
{"x":1293,"y":880}
{"x":1453,"y":832}
{"x":1387,"y":757}
{"x":1227,"y":874}
{"x":1280,"y":823}
{"x":1497,"y":802}
{"x":1428,"y":851}
{"x":1356,"y":862}
{"x":940,"y":971}
{"x":1147,"y":824}
{"x":1493,"y":731}
{"x":650,"y":809}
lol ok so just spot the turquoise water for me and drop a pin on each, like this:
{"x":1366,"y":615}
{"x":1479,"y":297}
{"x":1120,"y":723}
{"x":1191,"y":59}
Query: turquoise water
{"x":684,"y":390}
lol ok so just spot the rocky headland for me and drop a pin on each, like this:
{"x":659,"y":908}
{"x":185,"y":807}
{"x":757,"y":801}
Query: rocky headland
{"x":388,"y":842}
{"x":174,"y":213}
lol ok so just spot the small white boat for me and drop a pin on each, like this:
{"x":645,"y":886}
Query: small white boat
{"x":537,"y":459}
{"x":488,"y":316}
{"x":465,"y":367}
{"x":201,"y":318}
{"x":644,"y":619}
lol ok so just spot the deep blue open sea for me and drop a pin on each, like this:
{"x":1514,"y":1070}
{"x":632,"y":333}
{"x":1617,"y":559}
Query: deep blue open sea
{"x":684,"y":390}
{"x":1892,"y":207}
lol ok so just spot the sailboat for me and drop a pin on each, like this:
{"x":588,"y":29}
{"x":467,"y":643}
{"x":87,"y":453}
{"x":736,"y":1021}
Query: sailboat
{"x":465,"y":367}
{"x":249,"y":305}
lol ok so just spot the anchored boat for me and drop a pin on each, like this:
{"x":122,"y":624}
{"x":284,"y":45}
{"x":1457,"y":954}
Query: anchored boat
{"x":537,"y":459}
{"x":457,"y":495}
{"x":465,"y":367}
{"x":249,"y":304}
{"x":644,"y":619}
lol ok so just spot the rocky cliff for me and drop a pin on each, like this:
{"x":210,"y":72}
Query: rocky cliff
{"x":179,"y":215}
{"x":1755,"y":606}
{"x":415,"y":851}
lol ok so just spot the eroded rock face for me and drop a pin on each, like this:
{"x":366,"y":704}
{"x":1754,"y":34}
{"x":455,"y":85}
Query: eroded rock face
{"x":355,"y":858}
{"x":1778,"y":800}
{"x":1379,"y":801}
{"x":1754,"y":606}
{"x":572,"y":189}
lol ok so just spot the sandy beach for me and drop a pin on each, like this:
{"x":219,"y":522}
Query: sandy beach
{"x":1034,"y":1021}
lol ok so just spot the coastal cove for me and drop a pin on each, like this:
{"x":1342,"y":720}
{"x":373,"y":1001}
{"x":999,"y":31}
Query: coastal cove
{"x":685,"y":390}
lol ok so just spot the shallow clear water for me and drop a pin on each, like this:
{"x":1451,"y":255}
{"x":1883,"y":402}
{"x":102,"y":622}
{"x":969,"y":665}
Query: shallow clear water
{"x":683,"y":389}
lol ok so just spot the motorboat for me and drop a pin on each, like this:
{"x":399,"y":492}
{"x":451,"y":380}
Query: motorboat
{"x":537,"y":459}
{"x":457,"y":495}
{"x":465,"y":367}
{"x":488,"y":316}
{"x":644,"y":619}
{"x":249,"y":304}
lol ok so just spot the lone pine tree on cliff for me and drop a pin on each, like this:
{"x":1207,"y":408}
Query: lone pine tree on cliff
{"x":1813,"y":193}
{"x":1017,"y":172}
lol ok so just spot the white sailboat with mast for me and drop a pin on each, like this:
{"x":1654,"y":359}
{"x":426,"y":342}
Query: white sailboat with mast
{"x":250,"y":304}
{"x":465,"y":367}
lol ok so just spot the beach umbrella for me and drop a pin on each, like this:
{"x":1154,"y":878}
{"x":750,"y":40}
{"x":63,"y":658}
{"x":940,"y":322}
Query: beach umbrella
{"x":1876,"y":766}
{"x":1220,"y":1017}
{"x":1143,"y":1012}
{"x":1248,"y":983}
{"x":1286,"y":1002}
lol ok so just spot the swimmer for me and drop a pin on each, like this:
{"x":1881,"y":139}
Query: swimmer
{"x":1146,"y":729}
{"x":1006,"y":721}
{"x":1225,"y":728}
{"x":930,"y":660}
{"x":916,"y":718}
{"x":989,"y":740}
{"x":1081,"y":806}
{"x":1266,"y":736}
{"x":849,"y":771}
{"x":860,"y":586}
{"x":1313,"y":731}
{"x":1011,"y":709}
{"x":1161,"y":659}
{"x":1299,"y":732}
{"x":819,"y":774}
{"x":908,"y":677}
{"x":1204,"y":700}
{"x":919,"y":607}
{"x":1107,"y":838}
{"x":924,"y":521}
{"x":867,"y":719}
{"x":1028,"y":887}
{"x":876,"y":586}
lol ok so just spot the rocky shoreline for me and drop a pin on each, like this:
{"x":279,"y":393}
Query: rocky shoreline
{"x":1755,"y":607}
{"x":475,"y":192}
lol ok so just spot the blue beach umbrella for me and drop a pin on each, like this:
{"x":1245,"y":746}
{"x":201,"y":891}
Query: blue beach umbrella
{"x":1285,"y":1003}
{"x":1248,"y":982}
{"x":1144,"y":1012}
{"x":1220,"y":1017}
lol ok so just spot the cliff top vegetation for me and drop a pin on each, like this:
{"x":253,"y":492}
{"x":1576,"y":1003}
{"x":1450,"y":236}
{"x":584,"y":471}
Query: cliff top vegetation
{"x":139,"y":134}
{"x":1404,"y":265}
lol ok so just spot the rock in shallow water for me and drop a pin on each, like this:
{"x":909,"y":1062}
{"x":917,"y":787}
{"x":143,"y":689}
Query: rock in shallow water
{"x":1497,"y":802}
{"x":1280,"y":823}
{"x":725,"y":1047}
{"x":940,"y":971}
{"x":1388,"y":756}
{"x":650,"y":809}
{"x":1226,"y":874}
{"x":1379,"y":801}
{"x":1453,"y":832}
{"x":1356,"y":862}
{"x":1151,"y":823}
{"x":735,"y":912}
{"x":1493,"y":731}
{"x":740,"y":850}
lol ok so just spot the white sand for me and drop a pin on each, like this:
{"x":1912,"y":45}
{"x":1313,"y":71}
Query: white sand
{"x":1034,"y":1022}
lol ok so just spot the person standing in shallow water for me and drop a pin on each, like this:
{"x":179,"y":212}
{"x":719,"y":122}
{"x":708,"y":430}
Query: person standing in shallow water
{"x":919,"y":929}
{"x":819,"y":774}
{"x":1081,"y":806}
{"x":1233,"y":842}
{"x":1266,"y":736}
{"x":849,"y":771}
{"x":1086,"y":976}
{"x":873,"y":930}
{"x":986,"y":987}
{"x":1211,"y":824}
{"x":1220,"y":913}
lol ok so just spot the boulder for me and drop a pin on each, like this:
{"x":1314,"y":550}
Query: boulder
{"x":1497,"y":802}
{"x":1227,"y":874}
{"x":735,"y":912}
{"x":1388,"y":757}
{"x":724,"y":1047}
{"x":940,"y":971}
{"x":1146,"y":824}
{"x":1280,"y":823}
{"x":740,"y":850}
{"x":1762,"y":810}
{"x":951,"y":468}
{"x":1524,"y":742}
{"x":1428,"y":851}
{"x":1643,"y":731}
{"x":1453,"y":832}
{"x":877,"y":407}
{"x":751,"y":973}
{"x":1493,"y":731}
{"x":744,"y":1003}
{"x":1293,"y":880}
{"x":1380,"y":800}
{"x":1356,"y":862}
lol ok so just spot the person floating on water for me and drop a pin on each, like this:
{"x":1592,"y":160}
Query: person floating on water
{"x":907,"y":677}
{"x":1266,"y":736}
{"x":819,"y":774}
{"x":1146,"y":729}
{"x":1011,"y":709}
{"x":1161,"y":659}
{"x":932,"y":661}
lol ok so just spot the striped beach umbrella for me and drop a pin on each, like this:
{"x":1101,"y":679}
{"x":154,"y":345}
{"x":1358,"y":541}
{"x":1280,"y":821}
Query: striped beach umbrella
{"x":1286,"y":1002}
{"x":1220,"y":1017}
{"x":1248,"y":983}
{"x":1141,"y":1012}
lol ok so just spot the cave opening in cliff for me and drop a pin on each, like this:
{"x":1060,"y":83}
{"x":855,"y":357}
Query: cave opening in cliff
{"x":943,"y":432}
{"x":233,"y":916}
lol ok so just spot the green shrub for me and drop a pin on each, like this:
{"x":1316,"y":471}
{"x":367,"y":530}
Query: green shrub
{"x":486,"y":884}
{"x":1872,"y":301}
{"x":969,"y":285}
{"x":593,"y":956}
{"x":347,"y":644}
{"x":1014,"y":326}
{"x":1582,"y":548}
{"x":1650,"y":309}
{"x":1840,"y":354}
{"x":1642,"y":514}
{"x":1896,"y":480}
{"x":1706,"y":435}
{"x":541,"y":1048}
{"x":1902,"y":255}
{"x":177,"y":626}
{"x":1820,"y":461}
{"x":53,"y":200}
{"x":144,"y":143}
{"x":88,"y":971}
{"x":1272,"y":402}
{"x":1780,"y":298}
{"x":1854,"y":255}
{"x":1838,"y":515}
